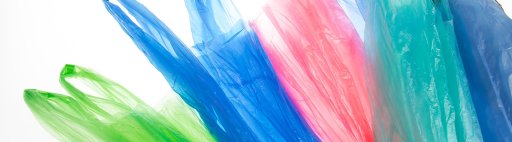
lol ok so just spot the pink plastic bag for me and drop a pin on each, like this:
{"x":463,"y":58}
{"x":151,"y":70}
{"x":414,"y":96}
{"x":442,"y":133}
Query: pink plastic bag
{"x":319,"y":58}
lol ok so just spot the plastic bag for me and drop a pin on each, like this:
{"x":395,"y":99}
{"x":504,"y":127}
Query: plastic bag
{"x":105,"y":111}
{"x":422,"y":92}
{"x":319,"y":58}
{"x":484,"y":35}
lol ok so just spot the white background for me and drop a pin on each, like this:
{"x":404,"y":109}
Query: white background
{"x":38,"y":37}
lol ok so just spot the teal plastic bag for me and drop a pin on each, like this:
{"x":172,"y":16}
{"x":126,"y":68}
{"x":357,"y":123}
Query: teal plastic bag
{"x":422,"y":92}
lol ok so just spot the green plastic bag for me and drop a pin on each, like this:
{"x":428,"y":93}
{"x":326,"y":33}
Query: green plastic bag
{"x":102,"y":110}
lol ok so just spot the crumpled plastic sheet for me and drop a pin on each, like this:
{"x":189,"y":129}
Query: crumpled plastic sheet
{"x":422,"y":92}
{"x":230,"y":83}
{"x":106,"y":111}
{"x":319,"y":58}
{"x":484,"y":35}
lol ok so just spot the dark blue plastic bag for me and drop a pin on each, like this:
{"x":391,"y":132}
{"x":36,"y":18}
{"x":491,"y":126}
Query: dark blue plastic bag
{"x":484,"y":35}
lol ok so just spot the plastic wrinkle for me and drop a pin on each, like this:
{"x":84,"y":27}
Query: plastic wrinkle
{"x":422,"y":91}
{"x":109,"y":112}
{"x":319,"y":58}
{"x":484,"y":35}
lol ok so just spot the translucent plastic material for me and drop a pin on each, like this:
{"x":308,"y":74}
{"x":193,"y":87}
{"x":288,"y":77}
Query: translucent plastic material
{"x":484,"y":35}
{"x":233,"y":56}
{"x":318,"y":57}
{"x":230,"y":84}
{"x":105,"y":111}
{"x":182,"y":70}
{"x":422,"y":92}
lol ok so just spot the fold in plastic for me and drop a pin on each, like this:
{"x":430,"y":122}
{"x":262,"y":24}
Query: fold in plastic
{"x":484,"y":35}
{"x":353,"y":12}
{"x":422,"y":92}
{"x":319,"y":58}
{"x":230,"y":84}
{"x":105,"y":111}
